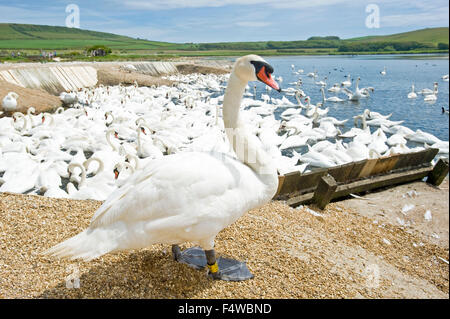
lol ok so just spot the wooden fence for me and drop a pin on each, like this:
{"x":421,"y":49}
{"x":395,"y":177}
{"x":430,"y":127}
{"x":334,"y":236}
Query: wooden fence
{"x":323,"y":185}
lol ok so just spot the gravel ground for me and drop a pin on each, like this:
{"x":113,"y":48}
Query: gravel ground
{"x":292,"y":252}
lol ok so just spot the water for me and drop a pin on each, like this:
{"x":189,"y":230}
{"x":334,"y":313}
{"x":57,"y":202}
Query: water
{"x":391,"y":90}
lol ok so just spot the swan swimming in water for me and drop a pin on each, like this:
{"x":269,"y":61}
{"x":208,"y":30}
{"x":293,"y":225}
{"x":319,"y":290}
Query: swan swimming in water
{"x":188,"y":196}
{"x":412,"y":94}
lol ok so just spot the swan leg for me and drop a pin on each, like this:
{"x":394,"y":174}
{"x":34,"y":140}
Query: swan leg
{"x":176,"y":252}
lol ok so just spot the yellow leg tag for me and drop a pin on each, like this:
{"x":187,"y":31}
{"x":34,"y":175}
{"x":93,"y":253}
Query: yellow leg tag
{"x":213,"y":268}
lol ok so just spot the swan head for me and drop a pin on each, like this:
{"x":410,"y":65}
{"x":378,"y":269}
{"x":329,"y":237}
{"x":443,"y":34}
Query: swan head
{"x":254,"y":68}
{"x":119,"y":167}
{"x":13,"y":95}
{"x":31,"y":110}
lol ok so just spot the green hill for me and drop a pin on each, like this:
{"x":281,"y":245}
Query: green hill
{"x":429,"y":35}
{"x":29,"y":36}
{"x":33,"y":38}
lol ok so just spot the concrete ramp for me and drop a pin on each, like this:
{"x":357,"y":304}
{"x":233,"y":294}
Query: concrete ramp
{"x":156,"y":68}
{"x":58,"y":77}
{"x":53,"y":79}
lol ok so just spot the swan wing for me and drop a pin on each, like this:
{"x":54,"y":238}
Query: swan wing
{"x":189,"y":184}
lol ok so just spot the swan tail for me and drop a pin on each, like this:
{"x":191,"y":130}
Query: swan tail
{"x":87,"y":245}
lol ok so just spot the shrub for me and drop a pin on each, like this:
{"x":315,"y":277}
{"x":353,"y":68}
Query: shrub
{"x":442,"y":46}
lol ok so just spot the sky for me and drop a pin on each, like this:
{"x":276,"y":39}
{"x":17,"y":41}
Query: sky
{"x":235,"y":20}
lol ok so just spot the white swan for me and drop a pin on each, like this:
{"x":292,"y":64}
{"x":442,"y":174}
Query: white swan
{"x":430,"y":98}
{"x":347,"y":82}
{"x":146,"y":149}
{"x":330,"y":99}
{"x":188,"y":196}
{"x":429,"y":91}
{"x":383,"y":72}
{"x":357,"y":95}
{"x":317,"y":159}
{"x":412,"y":94}
{"x":68,"y":97}
{"x":423,"y":137}
{"x":9,"y":102}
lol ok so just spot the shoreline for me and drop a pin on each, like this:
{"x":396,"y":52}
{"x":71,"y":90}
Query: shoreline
{"x":176,"y":56}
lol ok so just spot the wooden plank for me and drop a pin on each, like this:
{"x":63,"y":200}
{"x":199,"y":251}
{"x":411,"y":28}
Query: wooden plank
{"x":356,"y":170}
{"x":341,"y":173}
{"x":415,"y":159}
{"x":367,"y":184}
{"x":311,"y":180}
{"x":439,"y":172}
{"x":367,"y":169}
{"x":289,"y":183}
{"x":432,"y":152}
{"x":299,"y":200}
{"x":297,"y":182}
{"x":385,"y":164}
{"x":324,"y":191}
{"x":280,"y":184}
{"x":382,"y":181}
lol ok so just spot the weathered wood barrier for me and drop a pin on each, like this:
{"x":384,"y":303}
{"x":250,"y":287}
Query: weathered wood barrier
{"x":323,"y":185}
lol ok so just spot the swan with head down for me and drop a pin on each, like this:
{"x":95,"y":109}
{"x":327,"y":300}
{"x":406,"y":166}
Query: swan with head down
{"x":188,"y":196}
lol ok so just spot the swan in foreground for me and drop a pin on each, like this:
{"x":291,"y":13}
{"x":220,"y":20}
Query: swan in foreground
{"x":188,"y":196}
{"x":9,"y":102}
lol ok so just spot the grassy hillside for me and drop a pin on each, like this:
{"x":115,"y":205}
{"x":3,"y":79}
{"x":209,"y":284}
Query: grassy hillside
{"x":429,"y":35}
{"x":28,"y":36}
{"x":71,"y":43}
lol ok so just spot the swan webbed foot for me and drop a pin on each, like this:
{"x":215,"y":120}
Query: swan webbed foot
{"x":193,"y":257}
{"x":225,"y":268}
{"x":221,"y":268}
{"x":229,"y":270}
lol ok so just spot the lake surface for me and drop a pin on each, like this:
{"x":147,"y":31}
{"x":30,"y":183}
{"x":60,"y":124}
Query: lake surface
{"x":390,"y":93}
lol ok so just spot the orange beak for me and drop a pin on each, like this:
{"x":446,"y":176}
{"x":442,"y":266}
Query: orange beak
{"x":267,"y":78}
{"x":116,"y":174}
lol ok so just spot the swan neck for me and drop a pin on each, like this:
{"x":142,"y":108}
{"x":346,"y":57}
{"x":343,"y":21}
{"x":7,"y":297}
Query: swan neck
{"x":108,"y":139}
{"x":246,"y":146}
{"x":232,"y":101}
